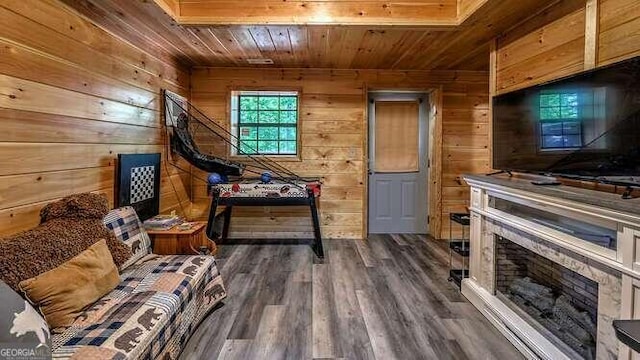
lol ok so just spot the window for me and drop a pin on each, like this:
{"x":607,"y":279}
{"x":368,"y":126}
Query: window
{"x":265,"y":122}
{"x":560,"y":125}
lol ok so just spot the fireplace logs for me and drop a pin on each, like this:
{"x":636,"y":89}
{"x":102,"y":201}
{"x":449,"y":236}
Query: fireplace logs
{"x":536,"y":295}
{"x":557,"y":314}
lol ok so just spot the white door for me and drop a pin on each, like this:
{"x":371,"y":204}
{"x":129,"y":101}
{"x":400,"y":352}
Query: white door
{"x":398,"y":129}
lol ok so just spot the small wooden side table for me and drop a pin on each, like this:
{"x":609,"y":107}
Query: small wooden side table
{"x":182,"y":242}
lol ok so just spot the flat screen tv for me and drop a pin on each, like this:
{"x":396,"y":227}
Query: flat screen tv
{"x":586,"y":125}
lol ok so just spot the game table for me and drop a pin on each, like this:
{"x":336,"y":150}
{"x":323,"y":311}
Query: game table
{"x":264,"y":194}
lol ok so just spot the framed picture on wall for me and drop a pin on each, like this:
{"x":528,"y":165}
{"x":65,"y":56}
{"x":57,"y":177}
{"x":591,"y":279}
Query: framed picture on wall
{"x":138,"y":183}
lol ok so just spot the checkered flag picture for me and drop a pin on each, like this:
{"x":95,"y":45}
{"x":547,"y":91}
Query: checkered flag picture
{"x":142,"y":183}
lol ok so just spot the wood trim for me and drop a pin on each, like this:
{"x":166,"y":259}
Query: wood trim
{"x":466,"y":8}
{"x":365,"y":161}
{"x":493,"y":86}
{"x":171,"y":7}
{"x":445,"y":24}
{"x":435,"y":170}
{"x":368,"y":12}
{"x":591,"y":34}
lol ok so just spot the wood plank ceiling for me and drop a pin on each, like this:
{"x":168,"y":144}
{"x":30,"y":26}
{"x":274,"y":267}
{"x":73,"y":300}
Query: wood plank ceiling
{"x":462,"y":47}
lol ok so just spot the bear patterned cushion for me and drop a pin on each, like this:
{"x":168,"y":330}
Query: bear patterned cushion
{"x":126,"y":226}
{"x":149,"y":315}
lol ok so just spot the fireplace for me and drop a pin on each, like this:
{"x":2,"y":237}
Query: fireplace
{"x":539,"y":277}
{"x":558,"y":302}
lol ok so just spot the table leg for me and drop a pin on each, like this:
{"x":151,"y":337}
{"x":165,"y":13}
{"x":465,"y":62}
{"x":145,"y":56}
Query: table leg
{"x":317,"y":243}
{"x":227,"y":222}
{"x":215,"y":199}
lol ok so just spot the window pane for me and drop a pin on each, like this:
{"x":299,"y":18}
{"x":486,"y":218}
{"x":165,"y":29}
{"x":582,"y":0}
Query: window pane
{"x":569,"y":112}
{"x":571,"y":128}
{"x":551,"y":113}
{"x":544,"y":114}
{"x":552,"y":142}
{"x":572,"y":141}
{"x":550,"y":100}
{"x":288,"y":117}
{"x":268,"y":117}
{"x":268,"y":133}
{"x":552,"y":129}
{"x":288,"y":103}
{"x":248,"y":103}
{"x":268,"y":147}
{"x":287,"y":133}
{"x":287,"y":147}
{"x":248,"y":147}
{"x":248,"y":133}
{"x":569,"y":100}
{"x":249,"y":117}
{"x":268,"y":103}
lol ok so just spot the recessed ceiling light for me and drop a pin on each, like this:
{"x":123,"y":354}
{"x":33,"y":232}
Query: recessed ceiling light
{"x":260,"y":61}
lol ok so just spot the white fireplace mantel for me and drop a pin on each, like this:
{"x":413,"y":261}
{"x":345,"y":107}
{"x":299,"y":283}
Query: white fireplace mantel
{"x":615,"y":269}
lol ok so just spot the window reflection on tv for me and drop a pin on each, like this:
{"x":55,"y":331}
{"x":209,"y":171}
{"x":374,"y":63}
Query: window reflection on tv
{"x":583,"y":125}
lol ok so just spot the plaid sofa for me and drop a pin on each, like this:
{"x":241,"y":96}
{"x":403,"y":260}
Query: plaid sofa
{"x":127,"y":227}
{"x":152,"y":312}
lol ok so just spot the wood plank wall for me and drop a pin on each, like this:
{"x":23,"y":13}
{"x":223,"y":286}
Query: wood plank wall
{"x":72,"y":97}
{"x":536,"y":52}
{"x":618,"y":30}
{"x":333,"y":135}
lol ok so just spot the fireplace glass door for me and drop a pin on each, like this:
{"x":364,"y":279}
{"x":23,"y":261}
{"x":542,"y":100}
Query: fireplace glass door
{"x":560,"y":303}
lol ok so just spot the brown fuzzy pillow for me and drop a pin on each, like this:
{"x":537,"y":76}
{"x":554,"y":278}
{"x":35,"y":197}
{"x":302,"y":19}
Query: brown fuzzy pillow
{"x":79,"y":206}
{"x":33,"y":252}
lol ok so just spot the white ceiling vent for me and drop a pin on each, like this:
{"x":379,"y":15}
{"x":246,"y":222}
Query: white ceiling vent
{"x":260,"y":61}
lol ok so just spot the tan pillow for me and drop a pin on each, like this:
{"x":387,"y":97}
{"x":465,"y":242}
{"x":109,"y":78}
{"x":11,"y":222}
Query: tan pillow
{"x":62,"y":293}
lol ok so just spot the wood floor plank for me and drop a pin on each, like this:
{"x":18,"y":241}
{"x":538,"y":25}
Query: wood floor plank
{"x":399,"y":239}
{"x":236,"y":349}
{"x":271,"y":338}
{"x":383,"y":298}
{"x":324,"y":318}
{"x":365,"y":253}
{"x":350,"y":321}
{"x":376,"y":326}
{"x":269,"y":291}
{"x":298,"y":318}
{"x":401,"y":312}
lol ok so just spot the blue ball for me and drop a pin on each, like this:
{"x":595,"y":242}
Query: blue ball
{"x":214,"y":178}
{"x":265,"y":177}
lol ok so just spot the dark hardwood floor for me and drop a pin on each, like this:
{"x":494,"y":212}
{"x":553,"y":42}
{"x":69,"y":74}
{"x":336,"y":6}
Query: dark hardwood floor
{"x":385,"y":298}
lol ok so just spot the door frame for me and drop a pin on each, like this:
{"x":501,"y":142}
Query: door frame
{"x":433,"y":123}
